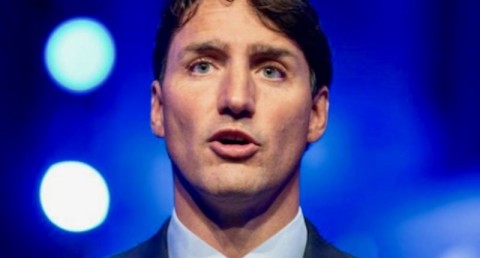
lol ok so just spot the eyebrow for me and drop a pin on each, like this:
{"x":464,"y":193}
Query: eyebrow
{"x":267,"y":51}
{"x":218,"y":47}
{"x":211,"y":46}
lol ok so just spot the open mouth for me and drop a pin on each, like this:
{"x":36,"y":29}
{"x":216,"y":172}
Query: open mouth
{"x":233,"y":140}
{"x":232,"y":137}
{"x":233,"y":145}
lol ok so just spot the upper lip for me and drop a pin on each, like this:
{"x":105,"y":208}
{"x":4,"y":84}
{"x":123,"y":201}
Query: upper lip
{"x":235,"y":135}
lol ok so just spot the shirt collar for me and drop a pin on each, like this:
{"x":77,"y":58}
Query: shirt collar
{"x":289,"y":242}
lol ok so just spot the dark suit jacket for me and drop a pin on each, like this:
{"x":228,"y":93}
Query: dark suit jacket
{"x":156,"y":247}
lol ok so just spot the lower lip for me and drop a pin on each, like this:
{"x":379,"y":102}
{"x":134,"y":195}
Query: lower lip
{"x":234,"y":151}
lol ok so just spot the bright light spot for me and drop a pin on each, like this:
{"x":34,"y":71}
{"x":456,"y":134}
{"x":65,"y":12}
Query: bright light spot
{"x":80,"y":54}
{"x":452,"y":228}
{"x":74,"y":196}
{"x":461,"y":252}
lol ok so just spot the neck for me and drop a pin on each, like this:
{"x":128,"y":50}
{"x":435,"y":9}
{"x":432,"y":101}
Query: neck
{"x":235,"y":226}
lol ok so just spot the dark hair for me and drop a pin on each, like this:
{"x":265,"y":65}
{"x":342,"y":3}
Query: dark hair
{"x":296,"y":19}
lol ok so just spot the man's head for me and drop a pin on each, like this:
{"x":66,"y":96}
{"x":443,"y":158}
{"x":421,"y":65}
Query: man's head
{"x":233,"y":98}
{"x":295,"y":18}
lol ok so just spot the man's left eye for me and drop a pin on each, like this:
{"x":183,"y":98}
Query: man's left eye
{"x":201,"y":67}
{"x":271,"y":72}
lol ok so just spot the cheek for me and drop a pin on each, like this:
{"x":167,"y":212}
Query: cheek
{"x":289,"y":129}
{"x":179,"y":115}
{"x":291,"y":119}
{"x":187,"y":113}
{"x":179,"y":129}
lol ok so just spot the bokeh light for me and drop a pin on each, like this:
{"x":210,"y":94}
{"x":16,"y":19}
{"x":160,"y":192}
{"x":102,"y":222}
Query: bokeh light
{"x":74,"y":196}
{"x":442,"y":226}
{"x":462,"y":251}
{"x":80,"y":54}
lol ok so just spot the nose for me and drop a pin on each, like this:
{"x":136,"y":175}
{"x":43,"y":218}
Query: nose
{"x":237,"y":93}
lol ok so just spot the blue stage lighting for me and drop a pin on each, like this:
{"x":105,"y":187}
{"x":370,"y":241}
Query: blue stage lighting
{"x":462,"y":251}
{"x":80,"y":54}
{"x":452,"y":228}
{"x":74,"y":196}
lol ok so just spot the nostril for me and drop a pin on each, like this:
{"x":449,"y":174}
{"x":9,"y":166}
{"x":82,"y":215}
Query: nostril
{"x":237,"y":114}
{"x":237,"y":103}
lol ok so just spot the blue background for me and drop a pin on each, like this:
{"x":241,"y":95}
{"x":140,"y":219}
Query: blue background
{"x":396,"y":175}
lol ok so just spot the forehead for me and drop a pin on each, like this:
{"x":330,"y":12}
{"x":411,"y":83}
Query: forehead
{"x":234,"y":23}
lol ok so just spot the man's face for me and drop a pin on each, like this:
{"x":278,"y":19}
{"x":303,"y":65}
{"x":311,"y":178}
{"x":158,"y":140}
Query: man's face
{"x":235,"y":106}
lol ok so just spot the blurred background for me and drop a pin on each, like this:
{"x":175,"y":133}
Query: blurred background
{"x":396,"y":175}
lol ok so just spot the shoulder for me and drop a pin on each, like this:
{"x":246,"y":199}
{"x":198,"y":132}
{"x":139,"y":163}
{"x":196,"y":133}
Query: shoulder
{"x":317,"y":247}
{"x":155,"y":247}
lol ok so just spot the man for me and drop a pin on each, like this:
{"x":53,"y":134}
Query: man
{"x":240,"y":90}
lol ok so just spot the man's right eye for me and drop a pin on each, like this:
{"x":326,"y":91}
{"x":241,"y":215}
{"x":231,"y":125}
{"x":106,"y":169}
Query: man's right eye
{"x":200,"y":67}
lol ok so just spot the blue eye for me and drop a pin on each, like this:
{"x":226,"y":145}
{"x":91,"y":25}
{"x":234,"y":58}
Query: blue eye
{"x":201,"y":67}
{"x":273,"y":73}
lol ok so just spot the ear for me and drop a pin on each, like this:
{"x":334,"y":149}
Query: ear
{"x":318,"y":115}
{"x":156,"y":113}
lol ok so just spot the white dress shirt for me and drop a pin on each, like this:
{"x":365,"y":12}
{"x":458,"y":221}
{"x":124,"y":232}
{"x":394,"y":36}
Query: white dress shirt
{"x":289,"y":242}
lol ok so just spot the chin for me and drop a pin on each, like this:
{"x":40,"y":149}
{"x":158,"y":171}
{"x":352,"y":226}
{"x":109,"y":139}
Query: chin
{"x":232,"y":190}
{"x":234,"y":203}
{"x":234,"y":187}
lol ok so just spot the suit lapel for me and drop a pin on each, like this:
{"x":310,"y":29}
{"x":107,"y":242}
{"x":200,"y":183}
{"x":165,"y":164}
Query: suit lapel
{"x":155,"y":247}
{"x":317,"y":247}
